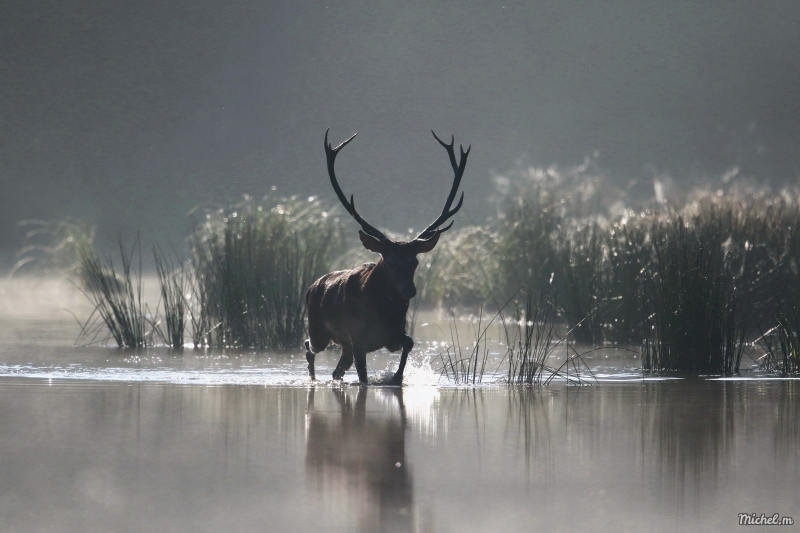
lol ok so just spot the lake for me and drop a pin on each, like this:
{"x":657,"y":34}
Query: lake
{"x":101,"y":439}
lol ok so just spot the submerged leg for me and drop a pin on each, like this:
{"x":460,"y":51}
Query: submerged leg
{"x":345,"y":362}
{"x":407,"y":344}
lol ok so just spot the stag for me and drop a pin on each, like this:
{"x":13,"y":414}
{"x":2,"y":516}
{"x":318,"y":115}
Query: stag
{"x":364,"y":309}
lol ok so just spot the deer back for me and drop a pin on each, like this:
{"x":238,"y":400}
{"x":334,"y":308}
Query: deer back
{"x":359,"y":305}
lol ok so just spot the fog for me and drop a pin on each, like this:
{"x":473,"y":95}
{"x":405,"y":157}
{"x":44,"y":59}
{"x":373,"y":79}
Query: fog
{"x":129,"y":115}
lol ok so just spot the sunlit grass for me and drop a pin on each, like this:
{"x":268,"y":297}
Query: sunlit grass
{"x":117,"y":299}
{"x":253,"y":263}
{"x":690,"y":280}
{"x":174,"y":282}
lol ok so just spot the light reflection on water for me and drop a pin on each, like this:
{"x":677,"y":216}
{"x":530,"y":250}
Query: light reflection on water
{"x":237,"y":441}
{"x":681,"y":455}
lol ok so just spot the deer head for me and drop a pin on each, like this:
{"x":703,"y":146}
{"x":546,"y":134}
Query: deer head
{"x":400,"y":258}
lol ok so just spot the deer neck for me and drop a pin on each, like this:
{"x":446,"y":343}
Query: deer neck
{"x":387,"y":292}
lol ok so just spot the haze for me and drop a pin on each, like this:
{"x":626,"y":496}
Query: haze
{"x":130,"y":114}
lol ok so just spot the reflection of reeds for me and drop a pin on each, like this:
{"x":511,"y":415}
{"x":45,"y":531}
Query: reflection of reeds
{"x":252,"y":266}
{"x":690,"y":426}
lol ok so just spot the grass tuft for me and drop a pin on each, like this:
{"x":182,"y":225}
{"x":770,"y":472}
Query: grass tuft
{"x":253,"y":263}
{"x":117,"y":299}
{"x":530,"y":341}
{"x":174,"y":283}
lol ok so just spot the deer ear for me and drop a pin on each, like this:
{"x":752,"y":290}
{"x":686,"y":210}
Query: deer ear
{"x":370,"y":243}
{"x":421,"y":247}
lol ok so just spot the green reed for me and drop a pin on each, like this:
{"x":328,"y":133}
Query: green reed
{"x":253,"y":263}
{"x":174,"y":282}
{"x":116,"y":297}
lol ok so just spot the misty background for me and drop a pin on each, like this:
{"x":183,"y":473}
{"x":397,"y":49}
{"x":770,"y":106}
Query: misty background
{"x":131,"y":114}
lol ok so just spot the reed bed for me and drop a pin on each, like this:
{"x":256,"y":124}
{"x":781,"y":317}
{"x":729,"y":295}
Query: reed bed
{"x":253,"y":263}
{"x":530,"y":339}
{"x":688,"y":279}
{"x":685,"y":278}
{"x":693,"y":322}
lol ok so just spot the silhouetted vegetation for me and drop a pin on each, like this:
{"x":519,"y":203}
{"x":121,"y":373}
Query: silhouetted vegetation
{"x":687,"y":278}
{"x":117,"y":299}
{"x":530,"y":341}
{"x":174,"y":281}
{"x":467,"y":369}
{"x":253,"y":263}
{"x":782,"y":342}
{"x":690,"y":279}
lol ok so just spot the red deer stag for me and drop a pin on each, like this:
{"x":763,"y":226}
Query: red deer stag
{"x":364,"y":309}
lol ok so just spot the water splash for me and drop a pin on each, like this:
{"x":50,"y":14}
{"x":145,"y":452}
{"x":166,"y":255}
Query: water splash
{"x":416,"y":374}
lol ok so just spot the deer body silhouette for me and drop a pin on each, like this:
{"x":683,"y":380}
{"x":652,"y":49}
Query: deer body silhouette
{"x":364,"y":309}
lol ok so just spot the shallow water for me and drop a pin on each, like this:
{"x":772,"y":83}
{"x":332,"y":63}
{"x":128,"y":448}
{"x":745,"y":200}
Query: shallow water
{"x":100,"y":439}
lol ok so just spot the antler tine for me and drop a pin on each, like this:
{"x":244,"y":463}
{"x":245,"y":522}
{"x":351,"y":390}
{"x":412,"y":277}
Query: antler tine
{"x":458,"y":171}
{"x":330,"y":155}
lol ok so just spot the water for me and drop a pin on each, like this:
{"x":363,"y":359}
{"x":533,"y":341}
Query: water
{"x":99,"y":439}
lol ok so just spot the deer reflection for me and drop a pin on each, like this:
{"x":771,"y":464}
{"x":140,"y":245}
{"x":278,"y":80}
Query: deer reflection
{"x":361,"y":454}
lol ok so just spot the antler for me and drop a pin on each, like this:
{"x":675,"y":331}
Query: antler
{"x":330,"y":154}
{"x":458,"y":170}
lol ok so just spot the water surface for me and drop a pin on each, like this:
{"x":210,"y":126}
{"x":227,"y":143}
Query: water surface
{"x":100,"y":439}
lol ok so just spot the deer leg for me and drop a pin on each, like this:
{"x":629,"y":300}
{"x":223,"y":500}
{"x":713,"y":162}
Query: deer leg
{"x":361,"y":365}
{"x":310,"y":358}
{"x":407,"y":343}
{"x":318,"y":340}
{"x":345,"y":362}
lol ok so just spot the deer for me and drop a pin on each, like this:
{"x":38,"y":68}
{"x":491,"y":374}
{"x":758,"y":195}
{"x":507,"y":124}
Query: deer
{"x":364,"y":309}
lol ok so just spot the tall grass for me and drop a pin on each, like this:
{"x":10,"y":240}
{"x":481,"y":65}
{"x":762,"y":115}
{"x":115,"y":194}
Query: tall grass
{"x":253,"y":263}
{"x":683,"y":277}
{"x":690,"y":300}
{"x":117,"y":298}
{"x":529,"y":341}
{"x":174,"y":281}
{"x":469,"y":369}
{"x":782,"y":342}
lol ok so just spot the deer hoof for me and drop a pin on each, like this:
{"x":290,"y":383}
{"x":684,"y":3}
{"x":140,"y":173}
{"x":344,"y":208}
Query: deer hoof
{"x":396,"y":381}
